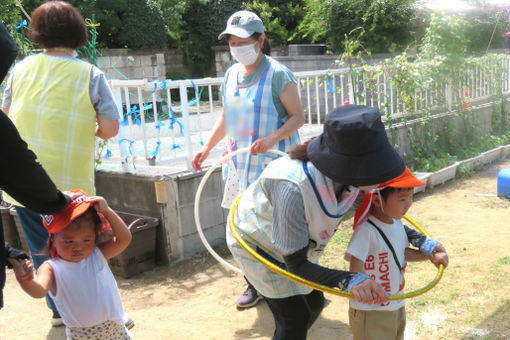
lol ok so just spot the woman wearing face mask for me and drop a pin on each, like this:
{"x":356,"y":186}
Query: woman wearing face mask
{"x":261,"y":110}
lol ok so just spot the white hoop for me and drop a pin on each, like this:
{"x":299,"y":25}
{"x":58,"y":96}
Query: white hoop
{"x":197,"y":205}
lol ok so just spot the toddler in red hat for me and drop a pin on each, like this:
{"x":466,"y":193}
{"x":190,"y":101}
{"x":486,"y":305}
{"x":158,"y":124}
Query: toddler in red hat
{"x":77,"y":277}
{"x":379,"y":248}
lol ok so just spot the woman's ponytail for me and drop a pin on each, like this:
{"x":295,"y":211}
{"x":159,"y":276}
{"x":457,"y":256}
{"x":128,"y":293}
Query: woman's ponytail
{"x":266,"y":44}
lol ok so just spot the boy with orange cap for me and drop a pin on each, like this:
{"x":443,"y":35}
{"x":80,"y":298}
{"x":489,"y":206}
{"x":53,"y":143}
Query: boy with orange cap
{"x":379,"y":249}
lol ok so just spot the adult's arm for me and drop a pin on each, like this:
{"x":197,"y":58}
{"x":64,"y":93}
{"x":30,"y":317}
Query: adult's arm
{"x":107,"y":128}
{"x":423,"y":243}
{"x":104,"y":103}
{"x":23,"y":177}
{"x":8,"y":53}
{"x":291,"y":236}
{"x":217,"y":134}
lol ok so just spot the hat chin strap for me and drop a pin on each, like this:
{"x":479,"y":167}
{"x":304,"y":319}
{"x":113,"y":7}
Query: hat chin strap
{"x":380,"y":198}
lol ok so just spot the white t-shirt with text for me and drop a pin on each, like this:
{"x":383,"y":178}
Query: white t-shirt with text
{"x":368,"y":246}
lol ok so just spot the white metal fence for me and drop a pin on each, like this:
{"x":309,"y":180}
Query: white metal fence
{"x":166,"y":122}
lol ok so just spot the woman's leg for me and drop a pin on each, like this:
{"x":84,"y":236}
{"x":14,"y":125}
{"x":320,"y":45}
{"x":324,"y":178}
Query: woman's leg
{"x":294,"y":315}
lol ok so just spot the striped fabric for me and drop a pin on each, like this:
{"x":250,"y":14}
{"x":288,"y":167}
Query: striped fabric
{"x":254,"y":215}
{"x":52,"y":110}
{"x":250,"y":115}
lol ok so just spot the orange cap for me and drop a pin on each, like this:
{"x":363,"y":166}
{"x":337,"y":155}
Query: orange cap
{"x":79,"y":205}
{"x":405,"y":180}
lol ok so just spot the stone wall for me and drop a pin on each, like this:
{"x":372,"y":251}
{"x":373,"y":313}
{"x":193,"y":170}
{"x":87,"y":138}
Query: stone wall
{"x":123,"y":63}
{"x":296,"y":57}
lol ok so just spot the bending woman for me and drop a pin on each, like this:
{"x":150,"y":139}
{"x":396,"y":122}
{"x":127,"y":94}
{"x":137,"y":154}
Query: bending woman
{"x":291,"y":212}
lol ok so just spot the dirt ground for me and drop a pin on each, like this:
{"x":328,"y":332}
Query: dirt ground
{"x":195,"y":299}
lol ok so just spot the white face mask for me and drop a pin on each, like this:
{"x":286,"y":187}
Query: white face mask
{"x":245,"y":54}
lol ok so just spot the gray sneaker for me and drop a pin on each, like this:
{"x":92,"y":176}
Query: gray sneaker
{"x":249,"y":298}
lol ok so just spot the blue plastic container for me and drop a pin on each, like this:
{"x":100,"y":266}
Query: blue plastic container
{"x":504,"y":182}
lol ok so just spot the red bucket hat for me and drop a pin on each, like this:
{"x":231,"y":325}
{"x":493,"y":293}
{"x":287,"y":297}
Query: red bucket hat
{"x":79,"y":205}
{"x":405,"y":180}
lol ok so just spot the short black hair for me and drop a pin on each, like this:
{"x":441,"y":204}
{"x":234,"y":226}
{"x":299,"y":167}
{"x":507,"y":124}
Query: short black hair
{"x":388,"y":190}
{"x":91,"y":216}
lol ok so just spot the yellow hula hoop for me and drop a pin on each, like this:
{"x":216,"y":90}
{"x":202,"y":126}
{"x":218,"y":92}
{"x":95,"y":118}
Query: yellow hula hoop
{"x":317,"y":286}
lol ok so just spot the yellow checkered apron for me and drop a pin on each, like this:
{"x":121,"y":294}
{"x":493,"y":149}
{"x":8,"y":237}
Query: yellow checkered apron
{"x":52,"y":110}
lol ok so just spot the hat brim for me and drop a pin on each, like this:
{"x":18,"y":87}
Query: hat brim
{"x":372,"y":168}
{"x":405,"y":180}
{"x":237,"y":31}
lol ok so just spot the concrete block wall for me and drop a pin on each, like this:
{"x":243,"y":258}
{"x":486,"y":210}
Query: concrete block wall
{"x":212,"y":217}
{"x":123,"y":63}
{"x":136,"y":194}
{"x":177,"y":236}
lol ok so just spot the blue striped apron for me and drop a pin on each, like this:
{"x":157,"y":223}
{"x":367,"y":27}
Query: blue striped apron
{"x":251,"y":114}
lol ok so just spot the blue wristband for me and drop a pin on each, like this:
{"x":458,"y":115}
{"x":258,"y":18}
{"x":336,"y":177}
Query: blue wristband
{"x":428,"y":246}
{"x":356,"y":280}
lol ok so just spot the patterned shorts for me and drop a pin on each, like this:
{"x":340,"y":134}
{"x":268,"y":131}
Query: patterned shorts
{"x":108,"y":330}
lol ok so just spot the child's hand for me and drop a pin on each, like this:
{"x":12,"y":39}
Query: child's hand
{"x":100,"y":204}
{"x":439,"y":256}
{"x":24,"y":269}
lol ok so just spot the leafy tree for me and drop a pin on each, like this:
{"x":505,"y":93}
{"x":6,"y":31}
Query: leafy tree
{"x":173,"y":11}
{"x":445,"y":41}
{"x":281,"y":19}
{"x":202,"y":22}
{"x":385,"y":25}
{"x":10,"y":14}
{"x":486,"y":25}
{"x":142,"y":25}
{"x":121,"y":22}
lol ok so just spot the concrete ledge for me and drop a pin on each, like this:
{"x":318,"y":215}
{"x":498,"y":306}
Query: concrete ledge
{"x":176,"y":237}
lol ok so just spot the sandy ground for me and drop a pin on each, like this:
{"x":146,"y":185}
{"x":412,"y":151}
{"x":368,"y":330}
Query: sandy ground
{"x":195,"y":299}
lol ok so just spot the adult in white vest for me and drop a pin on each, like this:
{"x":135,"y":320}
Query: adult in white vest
{"x":291,"y":212}
{"x":261,"y":110}
{"x":58,"y":104}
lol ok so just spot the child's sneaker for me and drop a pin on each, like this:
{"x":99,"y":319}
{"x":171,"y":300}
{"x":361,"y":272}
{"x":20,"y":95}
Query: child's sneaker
{"x":56,"y":320}
{"x":249,"y":298}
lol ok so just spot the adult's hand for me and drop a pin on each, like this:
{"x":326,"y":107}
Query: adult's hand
{"x":369,"y":292}
{"x":23,"y":269}
{"x":262,"y":145}
{"x":199,"y":158}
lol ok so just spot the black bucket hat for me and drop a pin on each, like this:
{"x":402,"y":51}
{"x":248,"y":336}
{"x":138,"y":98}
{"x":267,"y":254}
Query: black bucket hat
{"x":354,"y":148}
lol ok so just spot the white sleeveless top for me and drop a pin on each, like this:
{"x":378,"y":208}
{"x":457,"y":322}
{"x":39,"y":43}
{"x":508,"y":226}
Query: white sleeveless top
{"x":87,"y":293}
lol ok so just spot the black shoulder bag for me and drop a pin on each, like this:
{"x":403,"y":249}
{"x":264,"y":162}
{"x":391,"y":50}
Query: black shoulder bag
{"x":388,"y":243}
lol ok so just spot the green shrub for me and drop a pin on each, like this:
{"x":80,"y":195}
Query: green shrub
{"x":10,"y":15}
{"x":142,"y":25}
{"x":281,"y":19}
{"x":385,"y":25}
